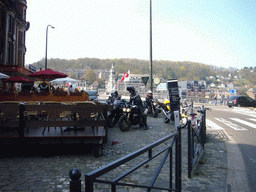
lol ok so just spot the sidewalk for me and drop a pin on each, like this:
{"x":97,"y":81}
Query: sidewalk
{"x":210,"y":173}
{"x":51,"y":174}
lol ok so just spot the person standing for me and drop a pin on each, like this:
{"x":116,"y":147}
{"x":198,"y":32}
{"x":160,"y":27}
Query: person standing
{"x":136,"y":100}
{"x":149,"y":98}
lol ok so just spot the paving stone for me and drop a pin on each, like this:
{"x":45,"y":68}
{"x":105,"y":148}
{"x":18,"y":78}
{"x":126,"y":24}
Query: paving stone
{"x":52,"y":173}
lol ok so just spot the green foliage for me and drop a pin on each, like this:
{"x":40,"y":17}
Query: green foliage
{"x":181,"y":70}
{"x":90,"y":76}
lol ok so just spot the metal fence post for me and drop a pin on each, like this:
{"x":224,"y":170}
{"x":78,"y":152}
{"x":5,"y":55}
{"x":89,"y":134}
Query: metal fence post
{"x":189,"y":150}
{"x":75,"y":183}
{"x":21,"y":122}
{"x":204,"y":125}
{"x":178,"y":160}
{"x":203,"y":135}
{"x":88,"y":184}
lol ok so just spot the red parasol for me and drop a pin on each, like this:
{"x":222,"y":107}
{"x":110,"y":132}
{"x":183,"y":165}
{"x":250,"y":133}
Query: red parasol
{"x":18,"y":79}
{"x":48,"y":74}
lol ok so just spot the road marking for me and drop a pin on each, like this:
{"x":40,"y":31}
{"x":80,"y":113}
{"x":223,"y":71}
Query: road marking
{"x":252,"y":125}
{"x":231,"y":125}
{"x":213,"y":126}
{"x":252,"y":119}
{"x":247,"y":112}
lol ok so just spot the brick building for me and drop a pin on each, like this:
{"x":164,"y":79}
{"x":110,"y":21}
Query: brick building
{"x":13,"y":27}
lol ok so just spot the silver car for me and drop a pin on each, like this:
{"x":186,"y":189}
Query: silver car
{"x":93,"y":94}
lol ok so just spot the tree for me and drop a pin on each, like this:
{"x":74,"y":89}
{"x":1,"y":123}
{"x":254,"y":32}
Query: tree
{"x":72,"y":75}
{"x":90,"y":76}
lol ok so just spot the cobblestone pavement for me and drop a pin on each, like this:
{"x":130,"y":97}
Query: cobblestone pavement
{"x":46,"y":174}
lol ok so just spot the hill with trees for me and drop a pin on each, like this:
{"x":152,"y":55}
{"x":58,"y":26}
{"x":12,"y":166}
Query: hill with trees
{"x":162,"y":69}
{"x":181,"y":70}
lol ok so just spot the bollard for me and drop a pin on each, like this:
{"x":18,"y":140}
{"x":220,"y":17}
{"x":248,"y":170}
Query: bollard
{"x":176,"y":119}
{"x":75,"y":183}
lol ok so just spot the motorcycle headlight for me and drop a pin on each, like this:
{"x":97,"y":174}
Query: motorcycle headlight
{"x":124,"y":109}
{"x":128,"y":110}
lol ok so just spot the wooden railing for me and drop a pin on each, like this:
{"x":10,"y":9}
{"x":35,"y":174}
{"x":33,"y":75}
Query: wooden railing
{"x":57,"y":96}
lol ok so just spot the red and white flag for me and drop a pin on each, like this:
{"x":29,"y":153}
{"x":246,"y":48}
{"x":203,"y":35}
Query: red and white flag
{"x":126,"y":76}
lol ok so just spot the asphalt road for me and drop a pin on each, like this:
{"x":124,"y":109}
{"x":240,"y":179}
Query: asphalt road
{"x":240,"y":124}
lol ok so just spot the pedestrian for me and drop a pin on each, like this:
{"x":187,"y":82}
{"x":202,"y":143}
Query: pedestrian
{"x":136,"y":100}
{"x":215,"y":99}
{"x":221,"y":100}
{"x":71,"y":89}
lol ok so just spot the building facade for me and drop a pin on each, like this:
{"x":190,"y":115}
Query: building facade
{"x":13,"y":27}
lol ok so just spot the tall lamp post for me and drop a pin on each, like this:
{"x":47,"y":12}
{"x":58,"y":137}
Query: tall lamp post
{"x":46,"y":45}
{"x":150,"y":51}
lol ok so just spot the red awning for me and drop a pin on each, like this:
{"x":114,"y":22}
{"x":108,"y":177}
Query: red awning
{"x":18,"y":79}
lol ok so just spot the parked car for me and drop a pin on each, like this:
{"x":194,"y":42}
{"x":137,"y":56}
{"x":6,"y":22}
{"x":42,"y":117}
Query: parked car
{"x":93,"y":94}
{"x":241,"y":101}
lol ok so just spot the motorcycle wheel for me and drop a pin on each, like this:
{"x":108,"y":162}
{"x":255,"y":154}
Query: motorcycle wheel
{"x":123,"y":123}
{"x":167,"y":117}
{"x":183,"y":122}
{"x":166,"y":120}
{"x":111,"y":121}
{"x":155,"y":112}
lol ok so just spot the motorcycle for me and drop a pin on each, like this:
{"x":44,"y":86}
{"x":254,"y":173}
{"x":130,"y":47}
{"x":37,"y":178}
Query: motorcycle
{"x":131,"y":116}
{"x":165,"y":109}
{"x":151,"y":107}
{"x":115,"y":114}
{"x":169,"y":115}
{"x":111,"y":99}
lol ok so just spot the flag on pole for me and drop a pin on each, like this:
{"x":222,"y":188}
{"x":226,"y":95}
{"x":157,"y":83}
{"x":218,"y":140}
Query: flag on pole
{"x":123,"y":77}
{"x":126,"y":76}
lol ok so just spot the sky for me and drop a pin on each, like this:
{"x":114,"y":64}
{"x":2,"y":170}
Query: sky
{"x":212,"y":32}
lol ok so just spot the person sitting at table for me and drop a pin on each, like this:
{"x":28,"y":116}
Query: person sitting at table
{"x":26,"y":87}
{"x":52,"y":88}
{"x":71,"y":89}
{"x":44,"y":87}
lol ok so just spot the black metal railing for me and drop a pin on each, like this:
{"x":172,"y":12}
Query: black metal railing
{"x":196,"y":139}
{"x":174,"y":178}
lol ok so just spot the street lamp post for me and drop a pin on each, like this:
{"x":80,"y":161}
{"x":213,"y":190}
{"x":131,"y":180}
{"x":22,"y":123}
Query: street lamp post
{"x":46,"y":45}
{"x":150,"y":51}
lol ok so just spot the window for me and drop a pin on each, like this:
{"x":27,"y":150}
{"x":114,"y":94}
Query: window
{"x":24,"y":14}
{"x":10,"y":24}
{"x":10,"y":52}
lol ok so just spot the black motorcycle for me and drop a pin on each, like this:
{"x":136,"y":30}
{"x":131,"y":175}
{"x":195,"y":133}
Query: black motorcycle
{"x":131,"y":116}
{"x":115,"y":114}
{"x":150,"y":107}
